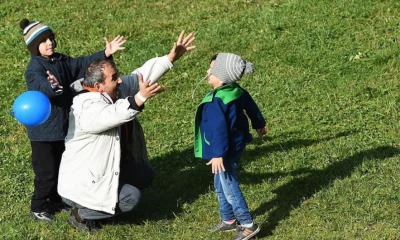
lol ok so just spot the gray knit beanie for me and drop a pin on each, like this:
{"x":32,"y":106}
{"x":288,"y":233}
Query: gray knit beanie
{"x":229,"y":67}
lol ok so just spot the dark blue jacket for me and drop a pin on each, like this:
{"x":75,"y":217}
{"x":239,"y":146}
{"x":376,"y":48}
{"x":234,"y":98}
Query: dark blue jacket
{"x":221,"y":126}
{"x":66,"y":70}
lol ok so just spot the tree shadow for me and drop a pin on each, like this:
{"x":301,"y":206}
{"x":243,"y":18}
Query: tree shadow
{"x":291,"y":195}
{"x":181,"y":179}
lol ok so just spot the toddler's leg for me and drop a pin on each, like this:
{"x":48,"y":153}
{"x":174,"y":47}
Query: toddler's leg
{"x":225,"y":208}
{"x":232,"y":192}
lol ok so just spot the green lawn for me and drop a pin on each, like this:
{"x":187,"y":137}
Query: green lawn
{"x":327,"y":81}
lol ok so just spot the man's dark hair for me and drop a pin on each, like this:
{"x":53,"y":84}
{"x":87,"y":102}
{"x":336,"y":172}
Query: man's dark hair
{"x":95,"y":72}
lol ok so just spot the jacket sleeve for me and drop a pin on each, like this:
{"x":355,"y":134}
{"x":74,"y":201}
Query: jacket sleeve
{"x":78,"y":65}
{"x":97,"y":116}
{"x":36,"y":79}
{"x":217,"y":128}
{"x":129,"y":85}
{"x":154,"y":69}
{"x":253,"y":112}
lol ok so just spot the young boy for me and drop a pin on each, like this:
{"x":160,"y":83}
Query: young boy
{"x":47,"y":139}
{"x":221,"y":134}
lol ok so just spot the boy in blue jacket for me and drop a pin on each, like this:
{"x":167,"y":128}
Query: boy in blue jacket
{"x":47,"y":139}
{"x":221,"y":135}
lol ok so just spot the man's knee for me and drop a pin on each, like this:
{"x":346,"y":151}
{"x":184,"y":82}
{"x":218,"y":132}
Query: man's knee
{"x":129,"y":197}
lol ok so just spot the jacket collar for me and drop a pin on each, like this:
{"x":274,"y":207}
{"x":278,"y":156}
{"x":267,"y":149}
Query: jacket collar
{"x":226,"y":92}
{"x":54,"y":57}
{"x":77,"y":88}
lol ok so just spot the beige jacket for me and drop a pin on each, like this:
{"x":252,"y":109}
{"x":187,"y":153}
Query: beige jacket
{"x":90,"y":165}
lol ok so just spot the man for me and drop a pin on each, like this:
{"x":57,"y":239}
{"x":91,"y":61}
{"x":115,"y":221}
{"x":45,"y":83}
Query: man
{"x":98,"y":175}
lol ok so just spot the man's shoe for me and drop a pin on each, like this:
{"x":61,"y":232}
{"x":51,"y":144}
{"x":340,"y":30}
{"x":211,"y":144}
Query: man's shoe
{"x":82,"y":225}
{"x":223,"y":227}
{"x":243,"y":233}
{"x":42,"y":216}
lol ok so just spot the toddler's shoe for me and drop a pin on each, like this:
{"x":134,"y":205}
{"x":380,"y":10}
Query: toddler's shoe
{"x":243,"y":233}
{"x":223,"y":227}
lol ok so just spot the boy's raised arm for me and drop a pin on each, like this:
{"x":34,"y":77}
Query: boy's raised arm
{"x":114,"y":46}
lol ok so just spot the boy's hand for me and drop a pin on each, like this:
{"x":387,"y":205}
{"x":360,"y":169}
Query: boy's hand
{"x":217,"y":165}
{"x":262,"y":131}
{"x":181,"y":46}
{"x":55,"y":84}
{"x":114,"y":45}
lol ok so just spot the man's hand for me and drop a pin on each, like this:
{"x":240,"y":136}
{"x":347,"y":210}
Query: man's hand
{"x":217,"y":165}
{"x":146,"y":91}
{"x":114,"y":45}
{"x":181,"y":46}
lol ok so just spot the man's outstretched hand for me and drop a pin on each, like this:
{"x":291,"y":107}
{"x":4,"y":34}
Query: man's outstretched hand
{"x":181,"y":46}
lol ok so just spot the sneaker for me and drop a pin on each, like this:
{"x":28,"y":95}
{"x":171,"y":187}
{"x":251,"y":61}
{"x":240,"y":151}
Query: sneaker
{"x":223,"y":227}
{"x":42,"y":216}
{"x":243,"y":233}
{"x":82,"y":225}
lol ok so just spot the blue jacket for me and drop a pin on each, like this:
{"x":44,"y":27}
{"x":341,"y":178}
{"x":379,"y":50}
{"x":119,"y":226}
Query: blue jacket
{"x":66,"y":70}
{"x":221,"y":126}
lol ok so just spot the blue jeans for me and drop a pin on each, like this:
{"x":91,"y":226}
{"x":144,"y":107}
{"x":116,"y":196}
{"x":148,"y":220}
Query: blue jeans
{"x":230,"y":197}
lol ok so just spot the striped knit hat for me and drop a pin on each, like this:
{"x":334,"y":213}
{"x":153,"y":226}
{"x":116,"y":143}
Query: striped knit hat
{"x":34,"y":34}
{"x":229,"y":67}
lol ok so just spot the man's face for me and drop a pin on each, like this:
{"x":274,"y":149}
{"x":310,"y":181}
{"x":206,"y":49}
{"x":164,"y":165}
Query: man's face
{"x":111,"y":82}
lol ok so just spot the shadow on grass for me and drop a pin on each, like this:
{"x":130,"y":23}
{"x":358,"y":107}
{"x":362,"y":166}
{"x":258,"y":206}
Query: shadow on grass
{"x":181,"y":179}
{"x":290,"y":195}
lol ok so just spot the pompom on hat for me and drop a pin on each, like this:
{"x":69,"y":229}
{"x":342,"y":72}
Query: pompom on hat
{"x":229,"y":67}
{"x":34,"y":34}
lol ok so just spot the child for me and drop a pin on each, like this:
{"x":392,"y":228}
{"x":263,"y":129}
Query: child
{"x":47,"y":139}
{"x":221,"y":134}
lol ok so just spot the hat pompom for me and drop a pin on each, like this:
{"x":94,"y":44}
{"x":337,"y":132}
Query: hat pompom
{"x":23,"y":23}
{"x":249,"y":68}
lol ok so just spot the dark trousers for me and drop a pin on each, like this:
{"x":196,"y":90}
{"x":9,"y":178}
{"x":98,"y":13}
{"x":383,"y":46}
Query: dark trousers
{"x":46,"y":158}
{"x":140,"y":175}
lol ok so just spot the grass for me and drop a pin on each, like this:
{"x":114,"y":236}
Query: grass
{"x":327,"y":81}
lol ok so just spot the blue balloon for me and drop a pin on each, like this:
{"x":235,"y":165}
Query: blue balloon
{"x":31,"y":108}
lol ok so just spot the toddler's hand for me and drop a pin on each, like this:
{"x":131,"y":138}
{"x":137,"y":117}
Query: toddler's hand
{"x":217,"y":165}
{"x":262,"y":131}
